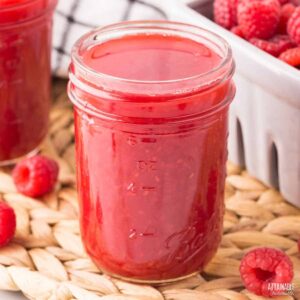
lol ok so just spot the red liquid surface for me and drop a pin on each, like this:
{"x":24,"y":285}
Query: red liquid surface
{"x":25,"y":45}
{"x":151,"y":196}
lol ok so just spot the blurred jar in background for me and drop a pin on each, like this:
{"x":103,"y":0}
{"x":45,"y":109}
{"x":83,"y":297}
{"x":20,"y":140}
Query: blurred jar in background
{"x":25,"y":48}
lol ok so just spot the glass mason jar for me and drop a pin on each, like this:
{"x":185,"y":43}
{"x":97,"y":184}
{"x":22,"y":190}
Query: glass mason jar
{"x":25,"y":48}
{"x":151,"y":103}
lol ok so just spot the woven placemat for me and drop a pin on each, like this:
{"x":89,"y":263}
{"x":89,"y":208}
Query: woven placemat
{"x":46,"y":259}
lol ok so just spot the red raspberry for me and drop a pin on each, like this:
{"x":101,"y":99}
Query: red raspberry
{"x":237,"y":31}
{"x":266,"y":46}
{"x":293,"y":26}
{"x":7,"y":224}
{"x":295,"y":2}
{"x":258,"y":18}
{"x":282,"y":2}
{"x":291,"y":56}
{"x":225,"y":13}
{"x":275,"y":46}
{"x":35,"y":176}
{"x":283,"y":41}
{"x":262,"y":267}
{"x":285,"y":14}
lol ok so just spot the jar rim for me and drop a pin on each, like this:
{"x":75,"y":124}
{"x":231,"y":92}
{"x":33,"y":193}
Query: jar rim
{"x":222,"y":71}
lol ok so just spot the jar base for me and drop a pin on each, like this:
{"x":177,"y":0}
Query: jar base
{"x":151,"y":282}
{"x":8,"y":163}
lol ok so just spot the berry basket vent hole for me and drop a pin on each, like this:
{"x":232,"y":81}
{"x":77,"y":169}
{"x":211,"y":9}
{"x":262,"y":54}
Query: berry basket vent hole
{"x":240,"y":144}
{"x":274,"y":174}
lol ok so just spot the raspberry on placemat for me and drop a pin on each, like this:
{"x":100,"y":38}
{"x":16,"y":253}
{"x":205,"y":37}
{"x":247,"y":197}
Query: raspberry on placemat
{"x":7,"y":223}
{"x":35,"y":176}
{"x":266,"y":271}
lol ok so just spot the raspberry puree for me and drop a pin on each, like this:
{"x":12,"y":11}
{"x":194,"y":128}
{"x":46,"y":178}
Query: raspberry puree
{"x":151,"y":167}
{"x":25,"y":45}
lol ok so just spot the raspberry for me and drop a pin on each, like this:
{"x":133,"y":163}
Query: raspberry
{"x":291,"y":56}
{"x":283,"y":43}
{"x":275,"y":46}
{"x":35,"y":176}
{"x":282,"y":2}
{"x":295,"y":2}
{"x":258,"y":18}
{"x":7,"y":224}
{"x":285,"y":14}
{"x":263,"y":267}
{"x":266,"y":46}
{"x":225,"y":13}
{"x":237,"y":31}
{"x":293,"y":26}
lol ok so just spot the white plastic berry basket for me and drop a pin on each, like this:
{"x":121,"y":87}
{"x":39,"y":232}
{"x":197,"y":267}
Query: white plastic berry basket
{"x":265,"y":115}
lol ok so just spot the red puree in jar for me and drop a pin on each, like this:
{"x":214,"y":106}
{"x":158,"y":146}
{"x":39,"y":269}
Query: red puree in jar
{"x":25,"y":47}
{"x":152,"y":58}
{"x":151,"y":182}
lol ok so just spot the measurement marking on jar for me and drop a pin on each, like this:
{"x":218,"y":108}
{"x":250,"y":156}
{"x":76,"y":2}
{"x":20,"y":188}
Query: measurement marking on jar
{"x":132,"y":188}
{"x":132,"y":140}
{"x":149,"y":140}
{"x":149,"y":188}
{"x":147,"y":165}
{"x":133,"y":234}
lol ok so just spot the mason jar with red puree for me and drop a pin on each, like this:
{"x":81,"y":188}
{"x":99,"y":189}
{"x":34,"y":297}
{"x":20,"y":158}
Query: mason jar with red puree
{"x":151,"y":105}
{"x":25,"y":47}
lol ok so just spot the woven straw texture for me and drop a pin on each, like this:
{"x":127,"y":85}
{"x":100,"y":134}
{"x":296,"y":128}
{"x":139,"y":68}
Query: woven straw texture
{"x":46,"y":259}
